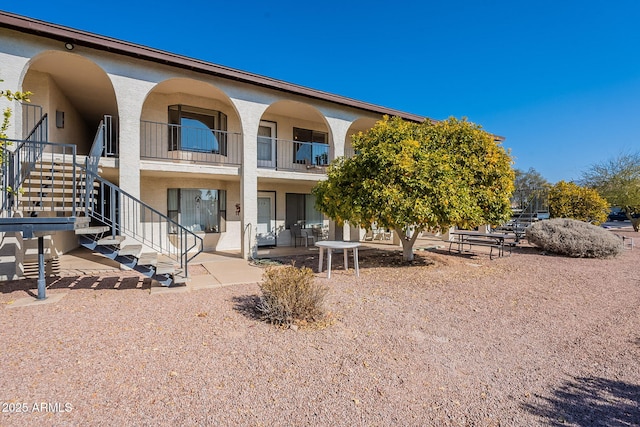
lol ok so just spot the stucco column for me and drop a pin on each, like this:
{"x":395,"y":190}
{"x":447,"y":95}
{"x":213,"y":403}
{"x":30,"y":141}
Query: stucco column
{"x":11,"y":73}
{"x":130,"y":96}
{"x":12,"y":244}
{"x":250,"y":114}
{"x":339,"y":129}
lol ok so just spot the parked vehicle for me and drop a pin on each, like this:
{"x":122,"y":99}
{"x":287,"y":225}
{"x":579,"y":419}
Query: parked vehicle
{"x":617,"y":214}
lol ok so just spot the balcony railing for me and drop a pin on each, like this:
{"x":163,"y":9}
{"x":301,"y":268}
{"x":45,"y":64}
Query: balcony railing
{"x":295,"y":156}
{"x":164,"y":141}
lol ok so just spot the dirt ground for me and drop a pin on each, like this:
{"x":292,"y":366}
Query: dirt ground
{"x":525,"y":340}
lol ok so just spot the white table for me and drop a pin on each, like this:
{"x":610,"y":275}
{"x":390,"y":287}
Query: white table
{"x":329,"y":245}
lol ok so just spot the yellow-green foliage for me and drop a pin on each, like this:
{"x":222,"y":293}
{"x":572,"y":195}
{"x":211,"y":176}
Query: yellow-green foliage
{"x":11,"y":96}
{"x":431,"y":174}
{"x":618,"y":181}
{"x":6,"y":116}
{"x":289,"y":295}
{"x":569,"y":200}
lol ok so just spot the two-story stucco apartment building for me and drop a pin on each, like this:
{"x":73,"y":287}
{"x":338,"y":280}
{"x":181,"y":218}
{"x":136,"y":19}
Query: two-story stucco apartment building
{"x":230,"y":155}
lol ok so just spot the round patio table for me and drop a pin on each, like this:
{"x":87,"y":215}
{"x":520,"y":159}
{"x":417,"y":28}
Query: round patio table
{"x":329,"y":245}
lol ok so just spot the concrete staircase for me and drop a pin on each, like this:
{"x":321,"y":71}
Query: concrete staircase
{"x":130,"y":255}
{"x":56,"y":187}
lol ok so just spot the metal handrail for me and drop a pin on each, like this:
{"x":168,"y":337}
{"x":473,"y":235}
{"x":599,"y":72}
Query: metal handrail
{"x":110,"y":140}
{"x":40,"y":130}
{"x":19,"y":164}
{"x":173,"y":142}
{"x":129,"y":216}
{"x":31,"y":118}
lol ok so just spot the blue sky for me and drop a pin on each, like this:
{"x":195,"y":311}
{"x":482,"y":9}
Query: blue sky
{"x":559,"y":79}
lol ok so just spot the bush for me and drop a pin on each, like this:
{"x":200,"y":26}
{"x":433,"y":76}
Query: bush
{"x":289,"y":295}
{"x":574,"y":238}
{"x":568,"y":200}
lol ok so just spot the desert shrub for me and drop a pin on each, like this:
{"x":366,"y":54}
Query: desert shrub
{"x":574,"y":238}
{"x":569,"y":200}
{"x":290,"y":295}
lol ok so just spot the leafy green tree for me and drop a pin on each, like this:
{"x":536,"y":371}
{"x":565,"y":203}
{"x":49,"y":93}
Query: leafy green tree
{"x":618,"y":181}
{"x":528,"y":185}
{"x":569,"y":200}
{"x":415,"y":176}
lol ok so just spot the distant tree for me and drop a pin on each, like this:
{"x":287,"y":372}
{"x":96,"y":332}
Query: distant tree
{"x":618,"y":181}
{"x":527,"y":185}
{"x":415,"y":176}
{"x":569,"y":200}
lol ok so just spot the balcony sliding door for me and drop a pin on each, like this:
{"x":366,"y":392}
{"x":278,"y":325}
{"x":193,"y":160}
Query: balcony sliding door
{"x":267,"y":144}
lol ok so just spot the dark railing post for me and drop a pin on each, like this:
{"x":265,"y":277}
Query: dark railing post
{"x":109,"y":142}
{"x":112,"y":210}
{"x":42,"y":283}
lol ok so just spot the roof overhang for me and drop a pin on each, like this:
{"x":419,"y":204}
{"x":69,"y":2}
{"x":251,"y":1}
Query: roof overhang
{"x":94,"y":41}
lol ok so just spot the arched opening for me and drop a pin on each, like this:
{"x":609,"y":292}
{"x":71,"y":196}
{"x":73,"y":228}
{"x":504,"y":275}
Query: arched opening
{"x":74,"y":93}
{"x":189,"y":120}
{"x":360,"y":125}
{"x":292,"y":137}
{"x":191,"y":152}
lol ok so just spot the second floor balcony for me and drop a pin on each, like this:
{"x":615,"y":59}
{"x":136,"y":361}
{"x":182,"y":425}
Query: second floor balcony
{"x":197,"y":145}
{"x":295,"y":156}
{"x":171,"y":142}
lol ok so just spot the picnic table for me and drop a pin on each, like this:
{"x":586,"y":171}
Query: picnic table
{"x":463,"y":238}
{"x":329,"y":245}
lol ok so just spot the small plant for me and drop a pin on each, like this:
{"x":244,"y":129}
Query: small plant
{"x":290,"y":295}
{"x":574,"y":238}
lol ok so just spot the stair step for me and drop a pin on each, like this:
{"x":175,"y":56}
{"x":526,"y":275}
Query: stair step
{"x":165,"y":267}
{"x":31,"y":269}
{"x":44,"y":187}
{"x":67,"y":176}
{"x":47,"y":208}
{"x":37,"y":181}
{"x":92,"y":230}
{"x":131,"y":250}
{"x":149,"y":258}
{"x":179,"y":279}
{"x":48,"y":199}
{"x":111,"y":241}
{"x":82,"y":222}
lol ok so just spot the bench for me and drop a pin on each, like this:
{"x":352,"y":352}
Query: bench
{"x":474,"y":238}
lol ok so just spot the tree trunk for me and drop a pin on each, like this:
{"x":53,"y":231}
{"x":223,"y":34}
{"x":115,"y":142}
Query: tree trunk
{"x":635,"y":222}
{"x":407,"y":243}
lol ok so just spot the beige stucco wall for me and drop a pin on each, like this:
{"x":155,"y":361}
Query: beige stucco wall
{"x":283,"y":236}
{"x":134,"y":82}
{"x":155,"y":195}
{"x":47,"y":94}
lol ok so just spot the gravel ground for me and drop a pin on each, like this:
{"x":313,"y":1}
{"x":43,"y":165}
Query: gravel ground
{"x":524,"y":340}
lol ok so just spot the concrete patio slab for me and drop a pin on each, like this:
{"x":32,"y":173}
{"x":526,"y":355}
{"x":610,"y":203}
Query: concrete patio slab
{"x":31,"y":301}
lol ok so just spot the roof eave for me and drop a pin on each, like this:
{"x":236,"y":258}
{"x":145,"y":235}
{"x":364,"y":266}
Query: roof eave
{"x":98,"y":42}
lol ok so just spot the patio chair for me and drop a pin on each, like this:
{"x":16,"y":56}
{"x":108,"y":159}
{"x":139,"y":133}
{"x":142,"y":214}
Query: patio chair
{"x":297,"y":233}
{"x":380,"y":233}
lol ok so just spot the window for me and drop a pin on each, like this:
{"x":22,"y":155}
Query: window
{"x":197,"y":129}
{"x":313,"y":148}
{"x":301,"y":209}
{"x":198,"y":209}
